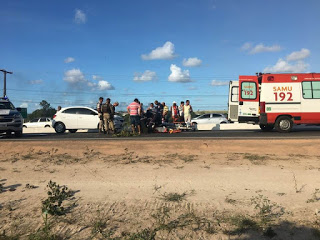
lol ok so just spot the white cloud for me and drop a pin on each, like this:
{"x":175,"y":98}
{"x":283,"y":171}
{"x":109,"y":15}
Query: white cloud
{"x":36,"y":82}
{"x":69,"y":60}
{"x":74,"y":76}
{"x":164,"y":52}
{"x":285,"y":66}
{"x":24,"y":105}
{"x":145,"y":77}
{"x":299,"y":55}
{"x":293,"y":63}
{"x":178,"y":75}
{"x":219,"y":83}
{"x":104,"y":85}
{"x":77,"y":80}
{"x":192,"y":62}
{"x":259,"y":48}
{"x":262,"y":48}
{"x":80,"y":16}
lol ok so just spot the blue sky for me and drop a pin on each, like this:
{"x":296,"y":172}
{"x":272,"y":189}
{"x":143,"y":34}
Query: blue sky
{"x":71,"y":52}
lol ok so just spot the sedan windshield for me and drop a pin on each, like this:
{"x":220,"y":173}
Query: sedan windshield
{"x":6,"y":105}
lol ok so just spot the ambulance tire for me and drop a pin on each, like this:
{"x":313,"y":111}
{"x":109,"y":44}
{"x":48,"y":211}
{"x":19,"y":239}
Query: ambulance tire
{"x":267,"y":127}
{"x":284,"y":124}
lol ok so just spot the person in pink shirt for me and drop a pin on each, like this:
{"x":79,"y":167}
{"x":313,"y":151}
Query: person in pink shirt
{"x":134,"y":110}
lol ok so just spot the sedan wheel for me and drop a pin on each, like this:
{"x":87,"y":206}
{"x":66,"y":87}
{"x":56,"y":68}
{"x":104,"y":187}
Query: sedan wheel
{"x":59,"y":127}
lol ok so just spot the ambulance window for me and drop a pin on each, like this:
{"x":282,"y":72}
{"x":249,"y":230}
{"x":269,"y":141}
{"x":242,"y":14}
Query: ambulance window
{"x":316,"y":89}
{"x":306,"y":89}
{"x":248,"y":90}
{"x":234,"y":94}
{"x":311,"y":90}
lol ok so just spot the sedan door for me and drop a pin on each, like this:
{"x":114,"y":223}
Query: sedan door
{"x":43,"y":122}
{"x":217,"y":118}
{"x":33,"y":123}
{"x":204,"y":119}
{"x":87,"y":119}
{"x":69,"y":118}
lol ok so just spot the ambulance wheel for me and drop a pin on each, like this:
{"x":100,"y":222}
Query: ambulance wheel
{"x":267,"y":127}
{"x":284,"y":124}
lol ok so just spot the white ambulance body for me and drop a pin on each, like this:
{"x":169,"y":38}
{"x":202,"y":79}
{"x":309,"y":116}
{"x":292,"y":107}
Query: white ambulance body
{"x":287,"y":99}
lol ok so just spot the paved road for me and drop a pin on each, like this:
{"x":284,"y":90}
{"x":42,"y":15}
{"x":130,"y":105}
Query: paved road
{"x":305,"y":133}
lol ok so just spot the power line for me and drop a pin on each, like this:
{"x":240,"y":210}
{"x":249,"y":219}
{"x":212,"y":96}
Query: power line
{"x":121,"y":94}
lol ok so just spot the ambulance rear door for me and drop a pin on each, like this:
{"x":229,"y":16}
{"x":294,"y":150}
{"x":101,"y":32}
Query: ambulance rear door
{"x":233,"y":102}
{"x":248,"y":99}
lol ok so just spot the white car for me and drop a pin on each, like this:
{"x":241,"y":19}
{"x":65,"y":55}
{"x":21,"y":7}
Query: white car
{"x":38,"y":123}
{"x":210,"y":118}
{"x":74,"y":118}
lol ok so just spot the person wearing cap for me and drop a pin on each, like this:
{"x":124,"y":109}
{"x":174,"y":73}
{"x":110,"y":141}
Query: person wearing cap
{"x":175,"y":112}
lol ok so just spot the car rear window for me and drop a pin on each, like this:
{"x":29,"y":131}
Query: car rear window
{"x":71,"y":111}
{"x":85,"y":111}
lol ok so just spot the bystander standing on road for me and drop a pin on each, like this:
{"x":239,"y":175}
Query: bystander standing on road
{"x":134,"y":110}
{"x":116,"y":104}
{"x":165,"y":113}
{"x":187,"y":112}
{"x":100,"y":115}
{"x":108,"y":113}
{"x":181,"y":109}
{"x":142,"y":113}
{"x":59,"y":108}
{"x":159,"y":109}
{"x":175,"y":112}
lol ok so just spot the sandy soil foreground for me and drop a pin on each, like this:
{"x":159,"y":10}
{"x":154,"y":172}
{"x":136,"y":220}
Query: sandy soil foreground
{"x":176,"y":189}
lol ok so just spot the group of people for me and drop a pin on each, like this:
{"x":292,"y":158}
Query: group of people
{"x":106,"y":113}
{"x":157,"y":113}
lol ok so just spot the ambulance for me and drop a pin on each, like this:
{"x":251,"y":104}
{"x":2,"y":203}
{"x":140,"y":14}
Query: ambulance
{"x":287,"y":99}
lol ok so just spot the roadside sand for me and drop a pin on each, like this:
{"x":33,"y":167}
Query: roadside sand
{"x":126,"y":183}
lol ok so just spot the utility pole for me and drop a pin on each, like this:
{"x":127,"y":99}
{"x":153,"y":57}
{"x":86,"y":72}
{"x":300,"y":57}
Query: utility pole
{"x":5,"y":81}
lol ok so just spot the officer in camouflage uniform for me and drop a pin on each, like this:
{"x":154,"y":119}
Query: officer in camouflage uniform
{"x":108,"y":113}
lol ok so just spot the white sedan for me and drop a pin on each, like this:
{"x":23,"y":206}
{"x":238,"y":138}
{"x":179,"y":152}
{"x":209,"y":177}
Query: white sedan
{"x":38,"y":123}
{"x":210,"y":118}
{"x":74,"y":118}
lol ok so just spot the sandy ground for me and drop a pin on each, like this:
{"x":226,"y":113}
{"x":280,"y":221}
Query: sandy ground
{"x":176,"y":189}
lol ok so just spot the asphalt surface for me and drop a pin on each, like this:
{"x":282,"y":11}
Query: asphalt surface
{"x":305,"y":133}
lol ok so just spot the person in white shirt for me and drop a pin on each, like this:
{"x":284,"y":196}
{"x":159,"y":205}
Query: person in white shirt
{"x":187,"y":109}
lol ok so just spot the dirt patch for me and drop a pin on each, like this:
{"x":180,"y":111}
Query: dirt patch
{"x":191,"y":189}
